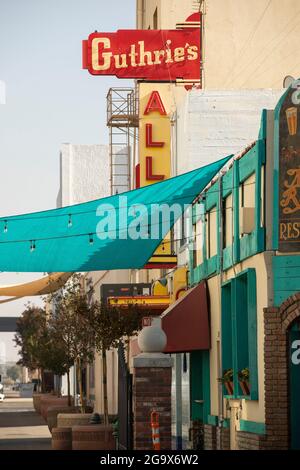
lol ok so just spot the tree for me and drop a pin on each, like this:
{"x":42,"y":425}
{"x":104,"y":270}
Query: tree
{"x":110,"y":324}
{"x":39,"y":348}
{"x":14,"y":372}
{"x":29,"y":336}
{"x":71,"y":326}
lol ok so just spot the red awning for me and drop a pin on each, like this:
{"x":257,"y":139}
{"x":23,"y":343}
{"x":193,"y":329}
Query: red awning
{"x":186,"y":322}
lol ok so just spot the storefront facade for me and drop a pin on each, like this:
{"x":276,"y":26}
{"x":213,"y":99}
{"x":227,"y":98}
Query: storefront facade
{"x":254,"y":285}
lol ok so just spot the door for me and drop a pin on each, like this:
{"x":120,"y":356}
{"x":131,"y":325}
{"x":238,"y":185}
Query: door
{"x":294,"y":377}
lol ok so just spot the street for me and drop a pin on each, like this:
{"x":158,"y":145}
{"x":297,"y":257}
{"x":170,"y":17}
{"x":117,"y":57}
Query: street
{"x":21,"y":428}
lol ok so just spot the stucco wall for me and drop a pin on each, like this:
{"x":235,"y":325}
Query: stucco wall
{"x":245,"y":44}
{"x":250,"y":44}
{"x":169,"y":12}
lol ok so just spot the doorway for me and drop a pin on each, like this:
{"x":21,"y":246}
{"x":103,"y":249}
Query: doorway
{"x":294,"y":384}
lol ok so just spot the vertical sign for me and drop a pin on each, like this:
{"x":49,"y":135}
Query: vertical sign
{"x":155,"y":151}
{"x":289,"y":171}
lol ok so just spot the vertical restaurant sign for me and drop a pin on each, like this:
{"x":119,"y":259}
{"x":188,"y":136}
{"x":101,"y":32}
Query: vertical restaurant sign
{"x":155,"y":151}
{"x":158,"y":55}
{"x":289,"y":171}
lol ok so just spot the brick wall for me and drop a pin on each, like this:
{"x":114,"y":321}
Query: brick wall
{"x":277,"y":322}
{"x":210,"y":437}
{"x":223,"y":438}
{"x":249,"y":441}
{"x":216,"y":438}
{"x":151,"y":392}
{"x":197,"y":435}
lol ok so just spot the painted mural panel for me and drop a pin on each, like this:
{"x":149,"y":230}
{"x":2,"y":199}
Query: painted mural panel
{"x":289,"y":171}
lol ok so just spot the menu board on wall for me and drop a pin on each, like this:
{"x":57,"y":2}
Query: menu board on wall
{"x":289,"y":171}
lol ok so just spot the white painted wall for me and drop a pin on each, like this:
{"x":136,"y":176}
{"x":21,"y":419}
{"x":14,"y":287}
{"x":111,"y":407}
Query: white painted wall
{"x":213,"y":124}
{"x":84,"y":173}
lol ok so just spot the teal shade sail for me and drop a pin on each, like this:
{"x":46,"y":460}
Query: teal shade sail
{"x":102,"y":234}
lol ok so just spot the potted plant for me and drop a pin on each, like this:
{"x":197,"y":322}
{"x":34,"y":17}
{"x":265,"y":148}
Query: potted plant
{"x":227,"y":380}
{"x":243,"y":377}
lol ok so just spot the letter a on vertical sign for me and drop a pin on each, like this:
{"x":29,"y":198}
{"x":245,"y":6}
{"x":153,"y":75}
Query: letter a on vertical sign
{"x":155,"y":104}
{"x":155,"y":152}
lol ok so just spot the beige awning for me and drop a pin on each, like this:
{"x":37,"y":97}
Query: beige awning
{"x":42,"y":286}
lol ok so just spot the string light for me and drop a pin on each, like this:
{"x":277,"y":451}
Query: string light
{"x":32,"y":245}
{"x":5,"y":226}
{"x":91,"y":239}
{"x":70,"y":221}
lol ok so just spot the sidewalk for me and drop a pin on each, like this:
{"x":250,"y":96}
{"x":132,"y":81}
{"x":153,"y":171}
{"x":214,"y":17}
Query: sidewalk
{"x":21,"y":427}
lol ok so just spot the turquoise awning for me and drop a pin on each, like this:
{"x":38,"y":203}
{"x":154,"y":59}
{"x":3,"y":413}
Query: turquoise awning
{"x":75,"y":238}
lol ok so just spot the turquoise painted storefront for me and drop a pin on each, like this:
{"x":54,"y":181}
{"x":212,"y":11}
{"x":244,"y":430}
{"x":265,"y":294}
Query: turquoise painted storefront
{"x":239,"y":311}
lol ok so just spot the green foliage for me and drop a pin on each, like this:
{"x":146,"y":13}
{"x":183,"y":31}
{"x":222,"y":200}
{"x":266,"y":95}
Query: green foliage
{"x":227,"y":376}
{"x":14,"y":372}
{"x":30,"y":336}
{"x":70,"y":321}
{"x":244,"y":375}
{"x":111,"y":324}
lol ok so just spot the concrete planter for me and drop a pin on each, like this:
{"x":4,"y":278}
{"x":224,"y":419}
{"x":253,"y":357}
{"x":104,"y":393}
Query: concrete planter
{"x":61,"y":439}
{"x":36,"y":397}
{"x":67,"y":419}
{"x":53,"y":412}
{"x":93,"y":437}
{"x":52,"y":401}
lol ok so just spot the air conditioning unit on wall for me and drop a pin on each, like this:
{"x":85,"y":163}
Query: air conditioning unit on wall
{"x":247,"y":220}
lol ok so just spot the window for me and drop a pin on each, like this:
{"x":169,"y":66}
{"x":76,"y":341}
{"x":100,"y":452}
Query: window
{"x":239,"y":331}
{"x":247,"y":192}
{"x":247,"y":205}
{"x":227,"y":221}
{"x":183,"y":238}
{"x":198,"y":245}
{"x":211,"y":232}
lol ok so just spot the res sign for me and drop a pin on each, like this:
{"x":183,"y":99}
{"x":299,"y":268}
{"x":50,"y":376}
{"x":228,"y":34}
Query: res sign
{"x":160,"y":55}
{"x":289,"y":170}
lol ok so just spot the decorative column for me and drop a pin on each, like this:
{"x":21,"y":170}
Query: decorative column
{"x":152,"y":376}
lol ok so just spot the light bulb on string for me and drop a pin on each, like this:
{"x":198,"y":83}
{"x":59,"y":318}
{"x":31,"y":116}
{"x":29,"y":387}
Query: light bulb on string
{"x":32,"y":245}
{"x":91,"y":239}
{"x":5,"y":229}
{"x":70,"y":221}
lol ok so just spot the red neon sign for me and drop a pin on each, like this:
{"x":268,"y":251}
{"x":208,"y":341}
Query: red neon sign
{"x":160,"y":55}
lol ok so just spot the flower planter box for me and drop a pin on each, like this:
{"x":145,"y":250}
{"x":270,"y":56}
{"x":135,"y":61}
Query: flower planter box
{"x":93,"y":437}
{"x":67,"y":419}
{"x":36,"y":397}
{"x":54,"y":411}
{"x":61,"y":439}
{"x":245,"y":387}
{"x":52,"y":401}
{"x":229,"y":387}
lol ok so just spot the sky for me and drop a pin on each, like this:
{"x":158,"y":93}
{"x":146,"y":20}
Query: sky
{"x":49,"y":100}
